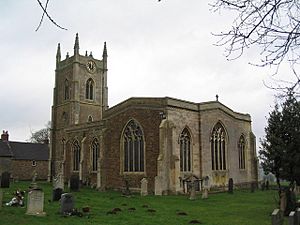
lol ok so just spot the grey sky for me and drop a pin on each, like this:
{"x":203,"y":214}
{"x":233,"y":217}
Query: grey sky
{"x":155,"y":49}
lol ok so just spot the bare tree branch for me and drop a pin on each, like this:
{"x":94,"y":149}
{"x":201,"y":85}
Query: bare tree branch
{"x":49,"y":17}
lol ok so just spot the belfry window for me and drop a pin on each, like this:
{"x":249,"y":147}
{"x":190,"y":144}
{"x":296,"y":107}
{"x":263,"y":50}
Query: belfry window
{"x":185,"y":151}
{"x":89,"y":89}
{"x":133,"y":147}
{"x":76,"y":155}
{"x":95,"y":154}
{"x":241,"y":149}
{"x":67,"y":90}
{"x":218,"y":147}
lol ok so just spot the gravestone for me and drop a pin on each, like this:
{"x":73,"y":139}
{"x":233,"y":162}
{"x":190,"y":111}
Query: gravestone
{"x":205,"y":193}
{"x":56,"y":194}
{"x":74,"y":183}
{"x":282,"y":201}
{"x":58,"y":182}
{"x":193,"y":190}
{"x":35,"y":203}
{"x":5,"y":180}
{"x":158,"y":185}
{"x":230,"y":186}
{"x":66,"y":203}
{"x":277,"y":217}
{"x":253,"y":187}
{"x":1,"y":197}
{"x":292,"y":218}
{"x":144,"y":187}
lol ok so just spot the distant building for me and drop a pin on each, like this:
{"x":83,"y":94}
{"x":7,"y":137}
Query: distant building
{"x":163,"y":139}
{"x":22,"y":159}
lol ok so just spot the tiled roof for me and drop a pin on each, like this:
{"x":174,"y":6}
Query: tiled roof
{"x":24,"y":150}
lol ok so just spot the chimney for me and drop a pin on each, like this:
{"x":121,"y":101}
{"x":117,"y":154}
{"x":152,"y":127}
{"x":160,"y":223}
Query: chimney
{"x":4,"y":136}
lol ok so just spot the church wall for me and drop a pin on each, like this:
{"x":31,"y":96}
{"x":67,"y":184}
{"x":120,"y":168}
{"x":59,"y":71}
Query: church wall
{"x":234,"y":129}
{"x":149,"y":119}
{"x":183,"y":118}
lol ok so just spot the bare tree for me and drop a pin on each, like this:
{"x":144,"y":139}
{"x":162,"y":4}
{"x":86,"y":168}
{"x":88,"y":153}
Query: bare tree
{"x":42,"y":135}
{"x":272,"y":25}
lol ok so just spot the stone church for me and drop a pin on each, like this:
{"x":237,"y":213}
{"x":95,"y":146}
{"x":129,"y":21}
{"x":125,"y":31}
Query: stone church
{"x":164,"y":140}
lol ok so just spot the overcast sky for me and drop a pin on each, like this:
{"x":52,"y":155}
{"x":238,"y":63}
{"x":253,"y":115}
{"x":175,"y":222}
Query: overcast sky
{"x":155,"y":49}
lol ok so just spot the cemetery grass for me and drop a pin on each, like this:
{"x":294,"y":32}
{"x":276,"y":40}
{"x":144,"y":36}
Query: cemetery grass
{"x":239,"y":208}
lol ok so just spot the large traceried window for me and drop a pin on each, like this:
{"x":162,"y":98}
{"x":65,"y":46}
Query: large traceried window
{"x":133,"y":147}
{"x":95,"y":148}
{"x":185,"y":151}
{"x":241,"y":149}
{"x":67,"y":90}
{"x":89,"y":89}
{"x":76,"y":155}
{"x":218,"y":147}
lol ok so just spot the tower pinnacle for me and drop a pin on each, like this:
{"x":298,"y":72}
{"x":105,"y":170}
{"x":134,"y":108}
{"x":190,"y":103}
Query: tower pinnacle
{"x":58,"y":54}
{"x":76,"y":45}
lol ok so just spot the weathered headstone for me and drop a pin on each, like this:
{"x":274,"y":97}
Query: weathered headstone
{"x":277,"y":217}
{"x":205,"y":193}
{"x":56,"y":194}
{"x":74,"y":183}
{"x":144,"y":187}
{"x":230,"y":186}
{"x":35,"y":203}
{"x":192,"y":191}
{"x":66,"y":203}
{"x":5,"y":180}
{"x":292,"y":218}
{"x":158,"y":185}
{"x":58,"y":181}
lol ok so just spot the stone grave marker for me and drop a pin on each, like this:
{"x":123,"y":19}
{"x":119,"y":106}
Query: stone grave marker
{"x":66,"y":203}
{"x":158,"y":185}
{"x":58,"y":182}
{"x":230,"y":186}
{"x":283,"y":201}
{"x":277,"y":217}
{"x":1,"y":197}
{"x":144,"y":187}
{"x":35,"y":203}
{"x":56,"y":194}
{"x":253,"y":185}
{"x":292,"y":218}
{"x":5,"y":180}
{"x":74,"y":183}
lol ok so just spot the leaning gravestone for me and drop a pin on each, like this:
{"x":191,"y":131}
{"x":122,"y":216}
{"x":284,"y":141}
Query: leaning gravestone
{"x":144,"y":187}
{"x":5,"y":180}
{"x":74,"y":183}
{"x":66,"y":203}
{"x":230,"y":186}
{"x":35,"y":203}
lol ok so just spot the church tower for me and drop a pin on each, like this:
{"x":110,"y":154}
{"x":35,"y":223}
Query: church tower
{"x":80,"y":94}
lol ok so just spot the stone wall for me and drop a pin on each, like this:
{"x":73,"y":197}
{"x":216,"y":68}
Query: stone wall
{"x":23,"y":169}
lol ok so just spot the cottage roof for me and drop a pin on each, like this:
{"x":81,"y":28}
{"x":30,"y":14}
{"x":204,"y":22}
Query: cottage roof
{"x":24,"y":150}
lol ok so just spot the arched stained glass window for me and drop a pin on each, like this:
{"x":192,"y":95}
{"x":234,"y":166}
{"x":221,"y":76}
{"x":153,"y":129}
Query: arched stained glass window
{"x":241,"y":149}
{"x":133,"y":147}
{"x":185,"y":151}
{"x":218,"y":147}
{"x":95,"y":147}
{"x":89,"y":89}
{"x":76,"y":155}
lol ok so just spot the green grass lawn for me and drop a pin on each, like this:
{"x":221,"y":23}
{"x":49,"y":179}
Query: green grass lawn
{"x":240,"y":208}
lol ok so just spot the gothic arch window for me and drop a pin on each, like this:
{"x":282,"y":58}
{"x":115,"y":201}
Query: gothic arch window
{"x":67,"y":90}
{"x":76,"y":155}
{"x":133,"y":147}
{"x":89,"y":89}
{"x":95,"y":149}
{"x":185,"y":151}
{"x":218,"y":147}
{"x":241,"y":149}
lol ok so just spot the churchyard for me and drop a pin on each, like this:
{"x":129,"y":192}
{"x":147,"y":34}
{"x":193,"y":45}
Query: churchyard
{"x":110,"y":207}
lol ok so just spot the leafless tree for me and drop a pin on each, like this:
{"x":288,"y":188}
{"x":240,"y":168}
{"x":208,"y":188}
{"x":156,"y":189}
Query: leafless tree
{"x":45,"y":12}
{"x":271,"y":25}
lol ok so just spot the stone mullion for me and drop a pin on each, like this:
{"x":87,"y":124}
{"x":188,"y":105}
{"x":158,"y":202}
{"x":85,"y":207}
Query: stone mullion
{"x":220,"y":152}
